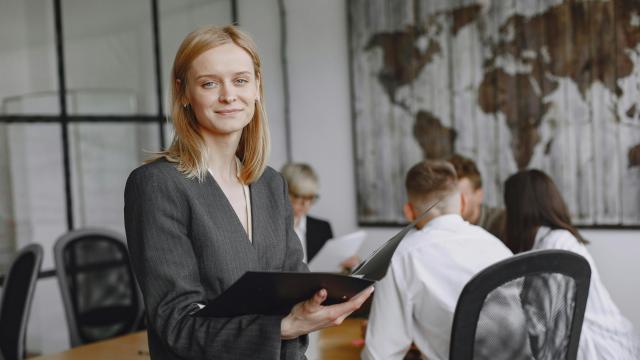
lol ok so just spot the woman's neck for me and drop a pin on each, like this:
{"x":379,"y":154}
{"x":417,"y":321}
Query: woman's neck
{"x":221,"y":155}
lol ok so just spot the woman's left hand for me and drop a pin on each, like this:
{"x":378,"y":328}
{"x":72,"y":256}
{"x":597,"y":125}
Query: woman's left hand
{"x":311,"y":315}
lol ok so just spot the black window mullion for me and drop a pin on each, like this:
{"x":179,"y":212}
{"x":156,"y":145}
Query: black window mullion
{"x":62,"y":95}
{"x":155,"y":21}
{"x":234,"y":12}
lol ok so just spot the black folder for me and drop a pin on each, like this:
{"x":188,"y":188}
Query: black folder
{"x":275,"y":293}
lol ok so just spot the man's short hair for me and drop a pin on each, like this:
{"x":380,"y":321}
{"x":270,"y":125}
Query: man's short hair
{"x":466,"y":168}
{"x":429,"y":180}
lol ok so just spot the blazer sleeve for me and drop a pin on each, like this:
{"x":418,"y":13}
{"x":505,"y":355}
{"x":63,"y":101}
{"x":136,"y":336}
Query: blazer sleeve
{"x":318,"y":233}
{"x":329,"y":231}
{"x":156,"y":221}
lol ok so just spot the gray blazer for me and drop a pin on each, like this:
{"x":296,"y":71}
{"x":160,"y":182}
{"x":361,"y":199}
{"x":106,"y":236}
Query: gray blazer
{"x":187,"y":246}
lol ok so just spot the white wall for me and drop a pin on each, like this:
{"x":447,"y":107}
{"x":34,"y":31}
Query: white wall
{"x":616,"y":255}
{"x":320,"y":104}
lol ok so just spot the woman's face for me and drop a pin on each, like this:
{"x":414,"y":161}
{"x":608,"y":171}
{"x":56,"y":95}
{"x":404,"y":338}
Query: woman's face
{"x":301,"y":204}
{"x":222,"y":90}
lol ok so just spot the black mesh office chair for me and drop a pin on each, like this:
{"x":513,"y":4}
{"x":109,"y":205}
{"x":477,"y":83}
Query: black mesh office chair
{"x":529,"y":306}
{"x":17,"y":294}
{"x":100,"y":295}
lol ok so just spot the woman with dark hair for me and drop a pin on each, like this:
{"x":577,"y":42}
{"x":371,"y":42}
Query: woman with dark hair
{"x":538,"y":218}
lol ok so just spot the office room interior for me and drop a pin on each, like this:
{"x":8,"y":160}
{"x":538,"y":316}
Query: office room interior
{"x":311,"y":77}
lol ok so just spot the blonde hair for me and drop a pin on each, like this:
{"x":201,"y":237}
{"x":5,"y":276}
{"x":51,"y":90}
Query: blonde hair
{"x":188,"y":148}
{"x":431,"y":180}
{"x":301,"y":179}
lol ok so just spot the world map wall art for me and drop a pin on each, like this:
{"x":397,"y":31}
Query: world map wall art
{"x":546,"y":84}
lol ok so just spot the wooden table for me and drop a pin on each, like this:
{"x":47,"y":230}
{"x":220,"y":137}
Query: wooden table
{"x":128,"y":347}
{"x":335,"y":343}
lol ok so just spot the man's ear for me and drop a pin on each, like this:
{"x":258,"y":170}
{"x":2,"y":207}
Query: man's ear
{"x":409,"y":212}
{"x":463,"y":203}
{"x":480,"y":195}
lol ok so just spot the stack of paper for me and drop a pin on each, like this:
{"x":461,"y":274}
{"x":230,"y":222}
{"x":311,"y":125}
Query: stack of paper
{"x":335,"y":251}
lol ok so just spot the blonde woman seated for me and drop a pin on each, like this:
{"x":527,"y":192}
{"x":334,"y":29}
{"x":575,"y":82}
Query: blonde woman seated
{"x":303,"y":192}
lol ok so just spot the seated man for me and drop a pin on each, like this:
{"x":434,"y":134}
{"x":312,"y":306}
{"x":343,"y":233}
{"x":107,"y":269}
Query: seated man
{"x":416,"y":300}
{"x":470,"y":184}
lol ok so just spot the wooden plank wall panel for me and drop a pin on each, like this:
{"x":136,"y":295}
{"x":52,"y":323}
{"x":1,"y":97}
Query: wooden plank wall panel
{"x":511,"y":84}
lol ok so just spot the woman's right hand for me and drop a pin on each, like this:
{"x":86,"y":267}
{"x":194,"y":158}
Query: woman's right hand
{"x":311,"y":315}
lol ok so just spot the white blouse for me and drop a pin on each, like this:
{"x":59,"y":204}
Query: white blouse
{"x":301,"y":231}
{"x":606,"y":333}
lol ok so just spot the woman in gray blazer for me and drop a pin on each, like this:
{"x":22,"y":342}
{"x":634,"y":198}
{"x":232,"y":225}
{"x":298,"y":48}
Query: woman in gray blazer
{"x":209,"y":209}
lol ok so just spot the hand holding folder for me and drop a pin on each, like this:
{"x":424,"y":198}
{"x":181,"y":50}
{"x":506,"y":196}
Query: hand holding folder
{"x":275,"y":293}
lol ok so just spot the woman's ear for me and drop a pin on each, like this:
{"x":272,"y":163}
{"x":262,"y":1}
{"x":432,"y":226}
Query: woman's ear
{"x":409,"y":212}
{"x":184,"y":99}
{"x":463,"y":203}
{"x":258,"y":89}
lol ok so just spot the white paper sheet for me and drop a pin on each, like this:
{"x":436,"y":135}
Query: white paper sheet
{"x":335,"y":251}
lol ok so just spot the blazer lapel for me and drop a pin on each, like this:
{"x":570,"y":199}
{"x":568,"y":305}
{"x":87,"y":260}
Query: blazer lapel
{"x":238,"y":241}
{"x":266,"y":240}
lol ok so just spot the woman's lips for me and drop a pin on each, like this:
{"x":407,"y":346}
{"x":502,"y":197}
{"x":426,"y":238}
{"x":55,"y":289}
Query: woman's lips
{"x":227,"y":111}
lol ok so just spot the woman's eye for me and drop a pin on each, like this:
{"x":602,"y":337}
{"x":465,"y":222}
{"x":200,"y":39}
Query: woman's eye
{"x":209,"y":85}
{"x":241,"y":81}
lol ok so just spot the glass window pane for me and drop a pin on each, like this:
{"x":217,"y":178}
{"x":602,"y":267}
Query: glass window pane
{"x":109,"y":59}
{"x":102,"y":156}
{"x":7,"y":217}
{"x":28,"y":66}
{"x":32,"y":198}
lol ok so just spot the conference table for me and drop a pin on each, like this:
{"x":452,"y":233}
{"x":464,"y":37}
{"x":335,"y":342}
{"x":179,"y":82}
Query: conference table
{"x":127,"y":347}
{"x":342,"y":342}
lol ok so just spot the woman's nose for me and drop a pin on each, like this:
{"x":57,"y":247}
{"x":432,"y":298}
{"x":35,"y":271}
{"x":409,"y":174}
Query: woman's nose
{"x":227,"y":95}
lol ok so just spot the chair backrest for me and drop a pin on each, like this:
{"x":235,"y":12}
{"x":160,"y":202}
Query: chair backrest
{"x":17,"y":294}
{"x":100,"y":295}
{"x":529,"y":306}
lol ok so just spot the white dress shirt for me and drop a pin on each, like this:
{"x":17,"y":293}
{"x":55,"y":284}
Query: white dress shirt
{"x":301,"y":231}
{"x":416,"y":300}
{"x":606,"y":334}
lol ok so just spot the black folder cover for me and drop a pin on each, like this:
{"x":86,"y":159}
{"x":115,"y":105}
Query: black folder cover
{"x":275,"y":293}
